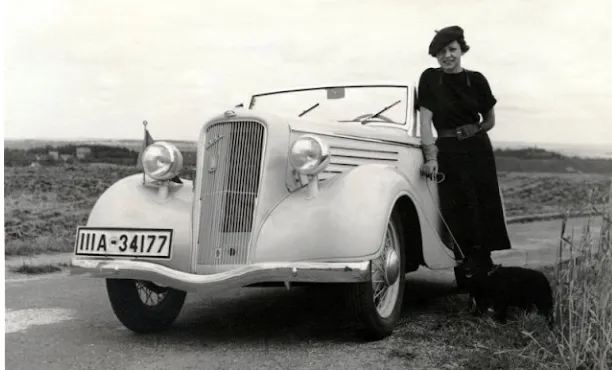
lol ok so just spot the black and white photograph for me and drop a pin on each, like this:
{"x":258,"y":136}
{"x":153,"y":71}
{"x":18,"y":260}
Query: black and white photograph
{"x":324,"y":184}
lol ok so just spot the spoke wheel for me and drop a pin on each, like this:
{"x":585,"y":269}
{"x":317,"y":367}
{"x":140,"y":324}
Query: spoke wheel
{"x":150,"y":294}
{"x":142,"y":306}
{"x":377,"y":304}
{"x":385,"y":270}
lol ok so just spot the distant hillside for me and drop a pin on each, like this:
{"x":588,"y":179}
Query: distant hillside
{"x":526,"y":159}
{"x":49,"y":155}
{"x":594,"y":150}
{"x":125,"y":143}
{"x":533,"y":159}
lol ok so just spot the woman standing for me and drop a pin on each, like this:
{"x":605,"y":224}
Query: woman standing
{"x":454,"y":99}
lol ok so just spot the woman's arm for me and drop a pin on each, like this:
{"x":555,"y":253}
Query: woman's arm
{"x":426,"y":126}
{"x":487,"y":102}
{"x":429,"y":148}
{"x":488,"y":120}
{"x":426,"y":99}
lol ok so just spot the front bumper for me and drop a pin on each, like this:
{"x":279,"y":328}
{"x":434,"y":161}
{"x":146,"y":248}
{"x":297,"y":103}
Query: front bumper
{"x":313,"y":272}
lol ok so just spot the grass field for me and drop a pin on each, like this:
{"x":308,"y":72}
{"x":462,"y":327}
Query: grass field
{"x":528,"y":193}
{"x":43,"y":206}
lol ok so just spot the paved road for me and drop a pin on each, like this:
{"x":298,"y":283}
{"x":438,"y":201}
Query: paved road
{"x":60,"y":322}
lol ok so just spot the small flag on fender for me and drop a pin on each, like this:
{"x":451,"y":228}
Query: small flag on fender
{"x":148,"y":140}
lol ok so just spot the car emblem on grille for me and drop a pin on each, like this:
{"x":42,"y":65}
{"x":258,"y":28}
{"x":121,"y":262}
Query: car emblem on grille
{"x":230,"y":113}
{"x":213,"y":141}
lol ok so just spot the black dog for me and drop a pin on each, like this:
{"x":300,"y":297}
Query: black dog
{"x":505,"y":287}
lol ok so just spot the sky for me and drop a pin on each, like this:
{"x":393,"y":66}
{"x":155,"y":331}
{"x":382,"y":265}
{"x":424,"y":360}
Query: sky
{"x":96,"y":69}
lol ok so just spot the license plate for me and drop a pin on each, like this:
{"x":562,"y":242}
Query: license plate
{"x":123,"y":242}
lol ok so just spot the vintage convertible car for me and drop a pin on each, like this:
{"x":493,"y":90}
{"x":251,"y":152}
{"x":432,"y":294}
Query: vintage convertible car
{"x":317,"y":185}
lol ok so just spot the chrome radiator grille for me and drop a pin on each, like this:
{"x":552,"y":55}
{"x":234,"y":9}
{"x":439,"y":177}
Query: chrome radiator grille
{"x":230,"y":185}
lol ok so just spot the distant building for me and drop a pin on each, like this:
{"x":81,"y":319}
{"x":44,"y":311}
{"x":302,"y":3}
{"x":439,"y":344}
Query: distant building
{"x":83,"y":152}
{"x":44,"y":157}
{"x":54,"y":154}
{"x":66,"y":157}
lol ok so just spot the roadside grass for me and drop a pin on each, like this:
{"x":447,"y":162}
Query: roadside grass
{"x":443,"y":335}
{"x":39,"y":245}
{"x":583,"y":337}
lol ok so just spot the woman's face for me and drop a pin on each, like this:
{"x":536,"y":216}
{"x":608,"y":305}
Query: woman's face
{"x":449,"y":57}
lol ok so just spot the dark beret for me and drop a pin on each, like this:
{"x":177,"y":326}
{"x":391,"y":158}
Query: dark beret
{"x":444,"y":37}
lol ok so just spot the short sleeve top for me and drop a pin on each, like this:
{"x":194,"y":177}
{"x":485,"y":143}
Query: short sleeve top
{"x":455,"y":99}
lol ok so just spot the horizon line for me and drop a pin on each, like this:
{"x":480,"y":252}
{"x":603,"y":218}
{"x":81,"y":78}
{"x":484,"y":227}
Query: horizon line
{"x":186,"y":140}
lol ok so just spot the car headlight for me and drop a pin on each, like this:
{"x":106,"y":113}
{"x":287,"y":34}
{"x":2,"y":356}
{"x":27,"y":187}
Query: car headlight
{"x":162,"y":160}
{"x":309,"y":155}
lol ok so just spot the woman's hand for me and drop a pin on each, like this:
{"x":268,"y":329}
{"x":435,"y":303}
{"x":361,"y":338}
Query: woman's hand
{"x":430,"y":168}
{"x":467,"y":131}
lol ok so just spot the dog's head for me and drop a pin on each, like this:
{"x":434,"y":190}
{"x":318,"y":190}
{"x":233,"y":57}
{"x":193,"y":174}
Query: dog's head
{"x":479,"y":276}
{"x":483,"y":283}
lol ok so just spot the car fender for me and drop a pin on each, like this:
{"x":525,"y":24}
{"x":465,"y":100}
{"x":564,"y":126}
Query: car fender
{"x":129,"y":203}
{"x":345,"y":221}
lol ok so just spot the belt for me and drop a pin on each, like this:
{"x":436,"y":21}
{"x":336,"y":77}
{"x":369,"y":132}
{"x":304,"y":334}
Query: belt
{"x":447,"y":132}
{"x":450,"y":132}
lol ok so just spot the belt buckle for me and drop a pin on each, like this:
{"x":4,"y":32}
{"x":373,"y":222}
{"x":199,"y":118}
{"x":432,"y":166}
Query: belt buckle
{"x":460,"y":134}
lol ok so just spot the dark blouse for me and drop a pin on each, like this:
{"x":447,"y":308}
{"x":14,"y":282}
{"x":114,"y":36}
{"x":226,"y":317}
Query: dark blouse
{"x":455,"y":99}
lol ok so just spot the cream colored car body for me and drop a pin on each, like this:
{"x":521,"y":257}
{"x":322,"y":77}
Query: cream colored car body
{"x":297,"y":235}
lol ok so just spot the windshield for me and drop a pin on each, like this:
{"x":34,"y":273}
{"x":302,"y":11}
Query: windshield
{"x":373,"y":103}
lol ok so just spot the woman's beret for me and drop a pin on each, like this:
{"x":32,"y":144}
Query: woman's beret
{"x":444,"y":37}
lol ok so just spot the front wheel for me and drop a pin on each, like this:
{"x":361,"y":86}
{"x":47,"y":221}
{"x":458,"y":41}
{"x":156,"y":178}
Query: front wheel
{"x":142,"y":306}
{"x":377,"y":304}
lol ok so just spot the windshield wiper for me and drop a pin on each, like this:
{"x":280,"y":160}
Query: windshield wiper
{"x":382,"y":111}
{"x":308,"y":110}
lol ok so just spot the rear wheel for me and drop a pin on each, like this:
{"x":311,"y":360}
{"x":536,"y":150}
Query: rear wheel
{"x":377,"y":304}
{"x":142,"y":306}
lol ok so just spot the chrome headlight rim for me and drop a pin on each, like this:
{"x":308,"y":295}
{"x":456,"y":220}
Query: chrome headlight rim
{"x":175,"y":159}
{"x":321,"y":163}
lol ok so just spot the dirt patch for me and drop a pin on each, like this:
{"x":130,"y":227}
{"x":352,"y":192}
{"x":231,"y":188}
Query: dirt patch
{"x":36,"y":269}
{"x":45,"y":263}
